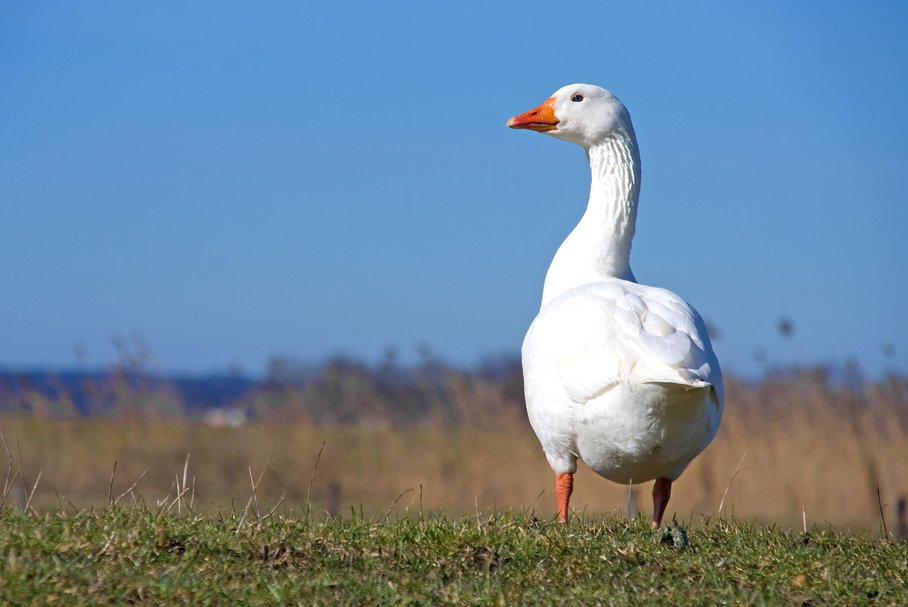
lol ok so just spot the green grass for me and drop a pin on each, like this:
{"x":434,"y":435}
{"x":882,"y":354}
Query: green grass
{"x":135,"y":555}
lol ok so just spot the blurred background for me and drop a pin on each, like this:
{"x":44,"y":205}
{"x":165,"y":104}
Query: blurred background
{"x":242,"y":231}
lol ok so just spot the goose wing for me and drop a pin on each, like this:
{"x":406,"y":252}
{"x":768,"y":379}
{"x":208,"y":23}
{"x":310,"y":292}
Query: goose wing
{"x":599,"y":334}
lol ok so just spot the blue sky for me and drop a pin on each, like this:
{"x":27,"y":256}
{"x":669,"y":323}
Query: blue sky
{"x":233,"y":181}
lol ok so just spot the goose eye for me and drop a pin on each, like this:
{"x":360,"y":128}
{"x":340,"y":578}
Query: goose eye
{"x":577,"y":98}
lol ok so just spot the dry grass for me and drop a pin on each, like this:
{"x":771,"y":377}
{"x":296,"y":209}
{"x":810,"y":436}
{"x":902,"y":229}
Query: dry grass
{"x":810,"y":448}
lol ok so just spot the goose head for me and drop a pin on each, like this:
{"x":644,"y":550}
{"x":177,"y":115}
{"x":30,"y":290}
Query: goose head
{"x":584,"y":114}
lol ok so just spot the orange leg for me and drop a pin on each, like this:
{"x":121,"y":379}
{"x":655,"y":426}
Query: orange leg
{"x":662,"y":491}
{"x":564,"y":486}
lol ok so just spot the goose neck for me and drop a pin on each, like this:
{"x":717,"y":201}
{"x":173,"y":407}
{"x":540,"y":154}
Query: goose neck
{"x":599,"y":247}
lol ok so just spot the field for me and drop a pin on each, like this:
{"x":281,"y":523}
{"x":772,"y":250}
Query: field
{"x":795,"y":452}
{"x":137,"y":555}
{"x":345,"y":491}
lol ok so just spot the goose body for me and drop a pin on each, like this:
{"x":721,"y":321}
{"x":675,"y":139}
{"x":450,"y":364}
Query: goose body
{"x":617,"y":374}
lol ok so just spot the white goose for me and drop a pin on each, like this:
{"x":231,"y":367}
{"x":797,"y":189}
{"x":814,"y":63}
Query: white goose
{"x":618,"y":374}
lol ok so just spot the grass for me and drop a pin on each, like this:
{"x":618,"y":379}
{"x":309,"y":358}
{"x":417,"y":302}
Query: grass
{"x":139,"y":555}
{"x":230,"y":523}
{"x":808,"y":447}
{"x":826,"y":465}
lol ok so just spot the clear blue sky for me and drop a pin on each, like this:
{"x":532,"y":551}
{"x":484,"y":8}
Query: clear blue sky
{"x":237,"y":180}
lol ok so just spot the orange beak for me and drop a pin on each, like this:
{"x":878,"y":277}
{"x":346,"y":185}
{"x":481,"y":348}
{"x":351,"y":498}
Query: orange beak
{"x":540,"y":119}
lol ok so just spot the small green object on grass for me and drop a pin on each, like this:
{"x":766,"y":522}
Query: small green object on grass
{"x":674,"y":535}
